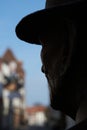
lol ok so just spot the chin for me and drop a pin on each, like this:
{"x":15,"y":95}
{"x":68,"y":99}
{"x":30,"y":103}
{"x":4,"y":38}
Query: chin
{"x":61,"y":99}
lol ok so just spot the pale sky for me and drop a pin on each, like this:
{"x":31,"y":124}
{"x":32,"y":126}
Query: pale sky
{"x":11,"y":12}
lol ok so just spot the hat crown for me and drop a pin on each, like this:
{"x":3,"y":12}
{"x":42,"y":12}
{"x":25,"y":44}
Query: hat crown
{"x":55,"y":3}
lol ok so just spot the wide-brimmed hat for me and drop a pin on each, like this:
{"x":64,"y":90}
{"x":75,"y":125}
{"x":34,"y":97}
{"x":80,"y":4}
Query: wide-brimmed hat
{"x":30,"y":27}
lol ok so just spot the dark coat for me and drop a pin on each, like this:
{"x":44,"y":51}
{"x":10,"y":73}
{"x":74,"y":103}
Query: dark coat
{"x":80,"y":126}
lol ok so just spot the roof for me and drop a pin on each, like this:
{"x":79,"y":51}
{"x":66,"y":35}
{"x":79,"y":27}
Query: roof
{"x":34,"y":109}
{"x":9,"y":57}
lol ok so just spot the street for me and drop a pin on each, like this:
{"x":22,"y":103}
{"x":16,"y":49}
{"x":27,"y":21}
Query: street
{"x":34,"y":128}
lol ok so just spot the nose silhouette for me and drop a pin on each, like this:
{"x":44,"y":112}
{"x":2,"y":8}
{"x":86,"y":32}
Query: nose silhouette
{"x":43,"y":69}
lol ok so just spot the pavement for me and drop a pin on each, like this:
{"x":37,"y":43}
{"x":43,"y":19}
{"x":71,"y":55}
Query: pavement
{"x":34,"y":128}
{"x":28,"y":128}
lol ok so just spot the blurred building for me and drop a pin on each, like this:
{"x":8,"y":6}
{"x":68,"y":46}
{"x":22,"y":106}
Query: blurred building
{"x":36,"y":115}
{"x":12,"y":89}
{"x":39,"y":115}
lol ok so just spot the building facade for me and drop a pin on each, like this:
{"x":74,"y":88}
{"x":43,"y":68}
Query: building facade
{"x":12,"y":80}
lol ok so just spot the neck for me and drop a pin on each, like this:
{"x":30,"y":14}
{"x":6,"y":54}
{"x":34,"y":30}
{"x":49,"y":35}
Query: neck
{"x":82,"y":112}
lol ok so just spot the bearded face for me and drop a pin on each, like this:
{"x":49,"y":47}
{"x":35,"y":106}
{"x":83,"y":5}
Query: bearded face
{"x":53,"y":66}
{"x":56,"y":56}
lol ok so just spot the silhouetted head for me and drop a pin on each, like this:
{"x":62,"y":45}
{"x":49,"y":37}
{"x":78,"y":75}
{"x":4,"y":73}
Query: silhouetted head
{"x":60,"y":29}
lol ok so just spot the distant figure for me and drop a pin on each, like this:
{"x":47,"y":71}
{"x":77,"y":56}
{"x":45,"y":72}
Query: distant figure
{"x":61,"y":30}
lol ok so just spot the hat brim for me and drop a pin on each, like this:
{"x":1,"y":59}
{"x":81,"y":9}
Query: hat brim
{"x":30,"y":27}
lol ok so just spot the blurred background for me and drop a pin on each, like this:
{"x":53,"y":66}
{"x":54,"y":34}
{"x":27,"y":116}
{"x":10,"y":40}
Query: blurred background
{"x":24,"y":95}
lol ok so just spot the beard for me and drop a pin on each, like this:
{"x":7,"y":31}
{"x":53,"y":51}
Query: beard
{"x":62,"y":93}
